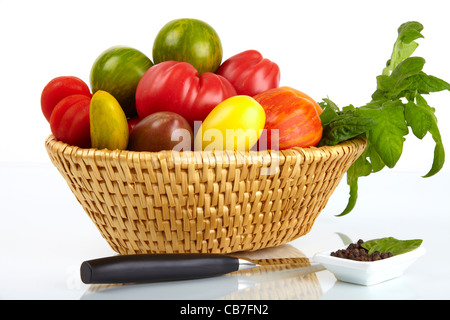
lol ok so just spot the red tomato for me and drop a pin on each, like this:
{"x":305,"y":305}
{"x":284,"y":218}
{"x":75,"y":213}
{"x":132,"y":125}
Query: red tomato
{"x":176,"y":87}
{"x":132,"y":122}
{"x":250,"y":73}
{"x":295,"y":117}
{"x":59,"y":88}
{"x":69,"y":121}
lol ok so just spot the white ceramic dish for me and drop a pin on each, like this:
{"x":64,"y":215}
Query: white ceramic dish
{"x":368,"y":272}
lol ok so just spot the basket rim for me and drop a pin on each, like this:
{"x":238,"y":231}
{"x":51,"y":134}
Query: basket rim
{"x":269,"y":161}
{"x":52,"y":143}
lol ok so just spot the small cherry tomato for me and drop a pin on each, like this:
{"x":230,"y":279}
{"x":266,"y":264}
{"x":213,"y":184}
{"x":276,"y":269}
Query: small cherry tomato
{"x":59,"y":88}
{"x":69,"y":121}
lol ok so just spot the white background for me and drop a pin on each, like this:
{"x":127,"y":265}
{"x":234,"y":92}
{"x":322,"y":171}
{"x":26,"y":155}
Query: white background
{"x":324,"y":48}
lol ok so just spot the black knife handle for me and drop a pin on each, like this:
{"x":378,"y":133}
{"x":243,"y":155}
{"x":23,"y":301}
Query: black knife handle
{"x":138,"y":268}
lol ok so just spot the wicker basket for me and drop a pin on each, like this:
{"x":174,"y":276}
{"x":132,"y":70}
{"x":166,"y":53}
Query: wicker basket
{"x":186,"y":202}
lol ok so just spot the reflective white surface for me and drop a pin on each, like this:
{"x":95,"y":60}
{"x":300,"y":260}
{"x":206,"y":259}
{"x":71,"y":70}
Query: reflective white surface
{"x":45,"y":236}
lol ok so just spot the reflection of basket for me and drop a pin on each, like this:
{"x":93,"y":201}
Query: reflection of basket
{"x":167,"y":202}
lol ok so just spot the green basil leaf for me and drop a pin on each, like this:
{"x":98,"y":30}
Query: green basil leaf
{"x":426,"y":84}
{"x":392,"y":245}
{"x":344,"y":127}
{"x":402,"y":78}
{"x":405,"y":45}
{"x":418,"y":118}
{"x":379,"y":94}
{"x":360,"y":168}
{"x":384,"y":121}
{"x":387,"y":136}
{"x":375,"y":159}
{"x":439,"y":152}
{"x":438,"y":157}
{"x":328,"y":114}
{"x":410,"y":31}
{"x":353,"y":197}
{"x":327,"y":103}
{"x":408,"y":67}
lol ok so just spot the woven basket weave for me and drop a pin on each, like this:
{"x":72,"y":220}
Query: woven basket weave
{"x":186,"y":202}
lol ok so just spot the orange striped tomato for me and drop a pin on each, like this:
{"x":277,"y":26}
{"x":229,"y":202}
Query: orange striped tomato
{"x":294,"y":115}
{"x":304,"y":95}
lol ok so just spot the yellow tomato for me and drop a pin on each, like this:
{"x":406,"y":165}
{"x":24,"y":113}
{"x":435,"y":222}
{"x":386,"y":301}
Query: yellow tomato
{"x":109,"y":126}
{"x":234,"y":124}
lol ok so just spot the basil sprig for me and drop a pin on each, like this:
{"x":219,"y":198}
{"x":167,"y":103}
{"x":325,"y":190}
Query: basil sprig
{"x":396,"y":105}
{"x":391,"y":245}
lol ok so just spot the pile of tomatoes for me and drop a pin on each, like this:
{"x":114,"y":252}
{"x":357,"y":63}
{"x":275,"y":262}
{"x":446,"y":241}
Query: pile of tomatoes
{"x":185,"y":98}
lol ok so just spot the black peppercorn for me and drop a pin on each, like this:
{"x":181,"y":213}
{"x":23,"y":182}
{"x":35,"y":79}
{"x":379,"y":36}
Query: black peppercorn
{"x":355,"y":251}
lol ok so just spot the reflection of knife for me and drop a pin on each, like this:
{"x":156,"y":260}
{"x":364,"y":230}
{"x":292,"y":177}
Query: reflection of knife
{"x":141,"y":268}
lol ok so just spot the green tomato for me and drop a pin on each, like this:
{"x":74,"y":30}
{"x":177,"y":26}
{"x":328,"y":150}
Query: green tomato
{"x":118,"y":70}
{"x":109,"y":126}
{"x":189,"y":40}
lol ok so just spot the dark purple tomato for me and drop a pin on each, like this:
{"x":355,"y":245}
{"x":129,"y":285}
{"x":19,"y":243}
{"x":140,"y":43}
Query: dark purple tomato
{"x":161,"y":131}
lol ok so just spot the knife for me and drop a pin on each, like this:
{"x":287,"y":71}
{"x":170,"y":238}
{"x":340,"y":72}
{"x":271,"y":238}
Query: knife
{"x":141,"y":268}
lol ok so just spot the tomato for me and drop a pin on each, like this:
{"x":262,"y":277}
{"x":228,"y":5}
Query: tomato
{"x":189,"y":40}
{"x":109,"y":126}
{"x":161,"y":131}
{"x":250,"y":73}
{"x":132,"y":122}
{"x":295,"y":118}
{"x":304,"y":95}
{"x":69,"y":121}
{"x":118,"y":70}
{"x":234,"y":124}
{"x":59,"y":88}
{"x":176,"y":86}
